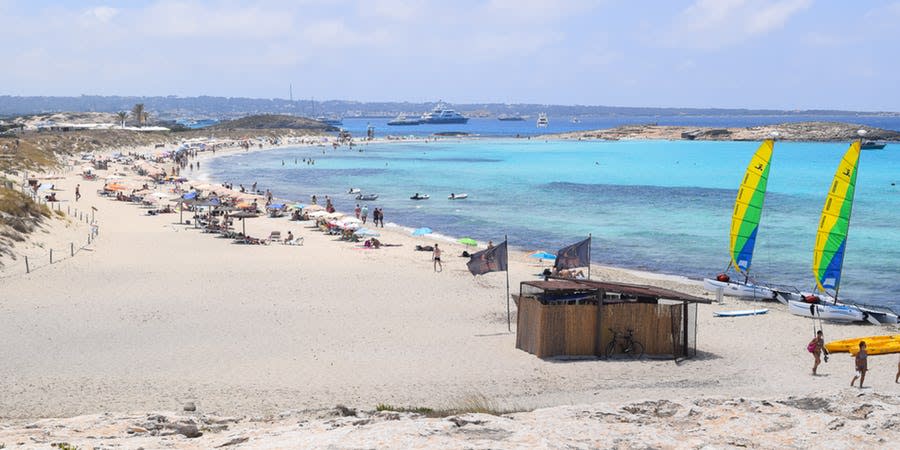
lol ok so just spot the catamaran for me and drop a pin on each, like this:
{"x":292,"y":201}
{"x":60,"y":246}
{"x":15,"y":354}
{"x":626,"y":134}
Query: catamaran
{"x":744,"y":226}
{"x":828,"y":254}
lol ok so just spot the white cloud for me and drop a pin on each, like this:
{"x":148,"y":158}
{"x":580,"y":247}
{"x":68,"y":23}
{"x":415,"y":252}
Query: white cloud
{"x":712,"y":24}
{"x":100,"y":14}
{"x":193,"y":19}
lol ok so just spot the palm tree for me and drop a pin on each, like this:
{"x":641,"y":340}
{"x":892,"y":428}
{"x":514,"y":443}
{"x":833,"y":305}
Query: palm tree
{"x":138,"y":113}
{"x":122,"y":115}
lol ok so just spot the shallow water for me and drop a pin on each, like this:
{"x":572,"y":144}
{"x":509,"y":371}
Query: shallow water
{"x":663,"y":206}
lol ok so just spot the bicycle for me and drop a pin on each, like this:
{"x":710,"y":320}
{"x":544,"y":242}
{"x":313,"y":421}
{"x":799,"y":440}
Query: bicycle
{"x":627,"y":344}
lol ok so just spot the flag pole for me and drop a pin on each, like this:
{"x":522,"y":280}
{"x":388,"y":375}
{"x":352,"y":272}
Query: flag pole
{"x":590,"y":241}
{"x":508,"y":314}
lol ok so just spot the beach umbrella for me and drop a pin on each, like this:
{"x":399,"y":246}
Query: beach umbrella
{"x":366,"y":232}
{"x":421,"y":231}
{"x":313,"y":208}
{"x":299,"y":206}
{"x":542,"y":255}
{"x":317,"y":214}
{"x":243,"y":216}
{"x":351,"y":219}
{"x":275,"y":206}
{"x":334,"y":215}
{"x":468,"y":241}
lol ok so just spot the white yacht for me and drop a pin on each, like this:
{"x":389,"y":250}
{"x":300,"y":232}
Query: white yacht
{"x":442,"y":114}
{"x":542,"y":120}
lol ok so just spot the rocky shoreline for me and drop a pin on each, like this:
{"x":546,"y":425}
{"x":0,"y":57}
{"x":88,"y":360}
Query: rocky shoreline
{"x":799,"y":131}
{"x":849,"y":419}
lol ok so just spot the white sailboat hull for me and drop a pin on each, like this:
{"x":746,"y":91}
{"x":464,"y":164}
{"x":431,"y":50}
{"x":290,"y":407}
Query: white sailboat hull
{"x":837,"y":313}
{"x":873,"y":315}
{"x":740,"y":290}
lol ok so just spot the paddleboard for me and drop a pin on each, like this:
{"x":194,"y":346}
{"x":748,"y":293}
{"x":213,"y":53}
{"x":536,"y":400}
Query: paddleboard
{"x":744,"y":312}
{"x":875,"y":345}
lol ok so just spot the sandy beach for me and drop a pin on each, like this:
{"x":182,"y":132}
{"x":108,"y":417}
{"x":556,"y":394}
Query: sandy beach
{"x":155,"y":314}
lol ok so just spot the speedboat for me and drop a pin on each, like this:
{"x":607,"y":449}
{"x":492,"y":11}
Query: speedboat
{"x":367,"y":197}
{"x":542,"y":120}
{"x":441,"y":114}
{"x":354,"y":191}
{"x":575,"y":119}
{"x":402,"y":120}
{"x":508,"y":118}
{"x":454,"y":196}
{"x":333,"y":120}
{"x":419,"y":196}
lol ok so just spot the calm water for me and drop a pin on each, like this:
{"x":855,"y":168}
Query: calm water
{"x":496,"y":128}
{"x":654,"y":205}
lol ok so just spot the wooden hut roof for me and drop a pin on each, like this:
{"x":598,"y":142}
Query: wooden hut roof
{"x":570,"y":285}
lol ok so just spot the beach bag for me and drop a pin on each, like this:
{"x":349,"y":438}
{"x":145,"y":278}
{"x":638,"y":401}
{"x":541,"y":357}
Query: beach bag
{"x":811,"y":347}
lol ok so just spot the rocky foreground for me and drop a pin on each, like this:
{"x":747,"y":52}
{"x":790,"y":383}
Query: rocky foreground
{"x":800,"y":131}
{"x":851,"y":419}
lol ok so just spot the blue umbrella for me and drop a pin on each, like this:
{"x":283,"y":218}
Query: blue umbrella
{"x":276,"y":206}
{"x":543,"y":255}
{"x":421,"y":231}
{"x":299,"y":206}
{"x":190,"y":195}
{"x":366,"y":232}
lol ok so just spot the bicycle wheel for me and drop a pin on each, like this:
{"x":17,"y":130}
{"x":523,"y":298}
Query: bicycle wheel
{"x":637,"y":350}
{"x":610,"y":349}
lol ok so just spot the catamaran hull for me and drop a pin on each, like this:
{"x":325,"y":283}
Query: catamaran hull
{"x":874,"y":316}
{"x":836,"y":313}
{"x":740,"y":290}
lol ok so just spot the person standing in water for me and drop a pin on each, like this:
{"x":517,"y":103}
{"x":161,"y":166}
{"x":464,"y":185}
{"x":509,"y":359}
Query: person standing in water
{"x":861,"y":365}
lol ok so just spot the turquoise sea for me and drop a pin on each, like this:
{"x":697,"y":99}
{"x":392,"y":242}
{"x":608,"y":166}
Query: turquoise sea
{"x":662,"y":206}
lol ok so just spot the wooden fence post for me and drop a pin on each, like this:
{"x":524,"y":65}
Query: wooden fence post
{"x":27,"y":269}
{"x":51,"y":256}
{"x":72,"y":248}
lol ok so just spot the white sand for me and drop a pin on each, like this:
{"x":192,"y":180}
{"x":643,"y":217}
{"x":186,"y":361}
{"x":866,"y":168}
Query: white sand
{"x":159,"y":313}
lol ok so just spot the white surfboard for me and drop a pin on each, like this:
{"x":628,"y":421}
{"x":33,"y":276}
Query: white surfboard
{"x":744,"y":312}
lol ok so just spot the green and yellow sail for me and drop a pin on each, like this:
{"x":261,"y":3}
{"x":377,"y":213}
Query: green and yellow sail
{"x":748,"y":207}
{"x":831,"y":239}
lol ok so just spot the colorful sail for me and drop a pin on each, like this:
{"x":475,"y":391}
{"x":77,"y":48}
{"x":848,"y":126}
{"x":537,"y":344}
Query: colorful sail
{"x":831,"y":239}
{"x":748,"y":207}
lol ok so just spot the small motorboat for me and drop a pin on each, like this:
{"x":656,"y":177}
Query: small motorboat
{"x":454,"y":196}
{"x":367,"y":197}
{"x":354,"y":191}
{"x":419,"y":196}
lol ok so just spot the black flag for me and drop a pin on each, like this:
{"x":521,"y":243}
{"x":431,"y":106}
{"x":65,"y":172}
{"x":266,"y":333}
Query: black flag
{"x":575,"y":255}
{"x":489,"y":260}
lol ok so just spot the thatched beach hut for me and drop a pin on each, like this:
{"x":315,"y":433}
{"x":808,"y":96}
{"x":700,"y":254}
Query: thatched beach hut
{"x":565,"y":317}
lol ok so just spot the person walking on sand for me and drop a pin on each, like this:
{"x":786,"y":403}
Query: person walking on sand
{"x":77,"y":192}
{"x":897,"y":378}
{"x":818,"y":346}
{"x":436,"y":256}
{"x":357,"y":210}
{"x":861,"y":365}
{"x":364,"y":213}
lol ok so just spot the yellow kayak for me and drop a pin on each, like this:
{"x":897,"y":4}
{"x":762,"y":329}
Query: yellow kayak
{"x":875,"y":345}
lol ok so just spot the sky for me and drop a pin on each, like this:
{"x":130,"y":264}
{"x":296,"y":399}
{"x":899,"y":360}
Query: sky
{"x":780,"y":54}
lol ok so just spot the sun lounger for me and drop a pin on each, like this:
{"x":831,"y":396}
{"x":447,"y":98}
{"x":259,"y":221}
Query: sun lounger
{"x":296,"y":241}
{"x":275,"y":236}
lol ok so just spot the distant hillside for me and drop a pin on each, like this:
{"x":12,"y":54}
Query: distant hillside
{"x":797,"y":131}
{"x":174,"y":107}
{"x":273,"y":121}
